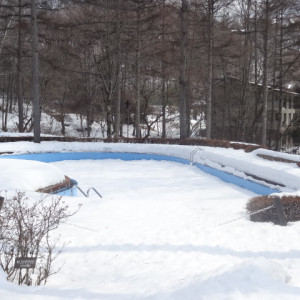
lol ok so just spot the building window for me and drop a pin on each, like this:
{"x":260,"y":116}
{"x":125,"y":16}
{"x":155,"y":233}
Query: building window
{"x":284,"y":120}
{"x":284,"y":102}
{"x":296,"y":102}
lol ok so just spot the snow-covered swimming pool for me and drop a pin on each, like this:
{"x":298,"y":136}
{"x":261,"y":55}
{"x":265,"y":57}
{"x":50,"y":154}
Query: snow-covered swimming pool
{"x":151,"y":234}
{"x":161,"y":232}
{"x":52,"y":157}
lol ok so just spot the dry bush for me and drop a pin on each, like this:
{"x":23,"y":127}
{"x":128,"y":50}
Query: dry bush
{"x":187,"y":141}
{"x":246,"y":147}
{"x":291,"y":208}
{"x":167,"y":141}
{"x":274,"y":158}
{"x":26,"y":231}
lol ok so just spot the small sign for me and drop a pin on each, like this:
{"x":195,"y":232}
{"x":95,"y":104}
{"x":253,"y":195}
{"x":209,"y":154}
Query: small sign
{"x":25,"y":262}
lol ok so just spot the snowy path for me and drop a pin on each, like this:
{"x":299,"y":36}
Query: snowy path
{"x":155,"y":234}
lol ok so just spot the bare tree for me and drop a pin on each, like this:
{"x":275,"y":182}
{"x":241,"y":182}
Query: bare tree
{"x":183,"y":76}
{"x":119,"y":72}
{"x":265,"y":72}
{"x":35,"y":74}
{"x":211,"y":13}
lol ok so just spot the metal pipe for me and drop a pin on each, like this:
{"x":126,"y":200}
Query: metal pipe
{"x":92,"y":188}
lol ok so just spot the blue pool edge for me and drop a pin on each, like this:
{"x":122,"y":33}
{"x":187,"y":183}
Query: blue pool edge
{"x":257,"y":188}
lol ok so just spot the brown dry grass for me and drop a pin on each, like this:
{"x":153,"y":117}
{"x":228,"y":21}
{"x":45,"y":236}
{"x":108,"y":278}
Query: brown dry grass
{"x":168,"y":141}
{"x":272,"y":158}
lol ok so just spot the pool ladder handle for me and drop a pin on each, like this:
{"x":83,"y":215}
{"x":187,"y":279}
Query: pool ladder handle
{"x":192,"y":154}
{"x":87,"y":194}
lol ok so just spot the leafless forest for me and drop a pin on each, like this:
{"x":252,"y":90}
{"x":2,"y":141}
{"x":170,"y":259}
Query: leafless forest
{"x":120,"y":61}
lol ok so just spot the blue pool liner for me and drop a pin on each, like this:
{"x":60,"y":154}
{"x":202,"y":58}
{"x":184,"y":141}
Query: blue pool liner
{"x":68,"y":190}
{"x":224,"y":176}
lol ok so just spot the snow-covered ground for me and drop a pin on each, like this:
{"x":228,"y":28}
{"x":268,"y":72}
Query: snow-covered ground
{"x":75,"y":125}
{"x":28,"y":175}
{"x":163,"y":230}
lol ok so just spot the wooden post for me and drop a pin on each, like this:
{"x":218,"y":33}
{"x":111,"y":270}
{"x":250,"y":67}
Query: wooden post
{"x":279,"y":208}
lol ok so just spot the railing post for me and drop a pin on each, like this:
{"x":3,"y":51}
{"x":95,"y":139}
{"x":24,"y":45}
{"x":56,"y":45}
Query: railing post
{"x":279,"y":208}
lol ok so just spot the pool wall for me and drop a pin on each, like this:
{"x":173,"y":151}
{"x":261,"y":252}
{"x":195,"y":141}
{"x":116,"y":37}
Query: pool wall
{"x":70,"y":190}
{"x":224,"y":176}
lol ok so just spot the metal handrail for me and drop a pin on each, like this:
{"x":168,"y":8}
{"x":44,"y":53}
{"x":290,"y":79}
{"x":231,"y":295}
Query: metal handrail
{"x":192,"y":154}
{"x":87,"y":194}
{"x":80,"y":190}
{"x":92,"y":188}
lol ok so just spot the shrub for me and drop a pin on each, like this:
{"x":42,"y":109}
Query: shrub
{"x":291,"y":208}
{"x":274,"y":158}
{"x":168,"y":141}
{"x":25,"y":231}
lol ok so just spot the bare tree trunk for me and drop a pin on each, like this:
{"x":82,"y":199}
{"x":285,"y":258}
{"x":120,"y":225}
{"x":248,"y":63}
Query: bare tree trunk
{"x":163,"y":79}
{"x":19,"y":74}
{"x":4,"y":105}
{"x":163,"y":96}
{"x":257,"y":95}
{"x":183,"y":82}
{"x":272,"y":134}
{"x":265,"y":76}
{"x":35,"y":74}
{"x":138,"y":77}
{"x":210,"y":67}
{"x":118,"y":106}
{"x":278,"y":133}
{"x":118,"y":79}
